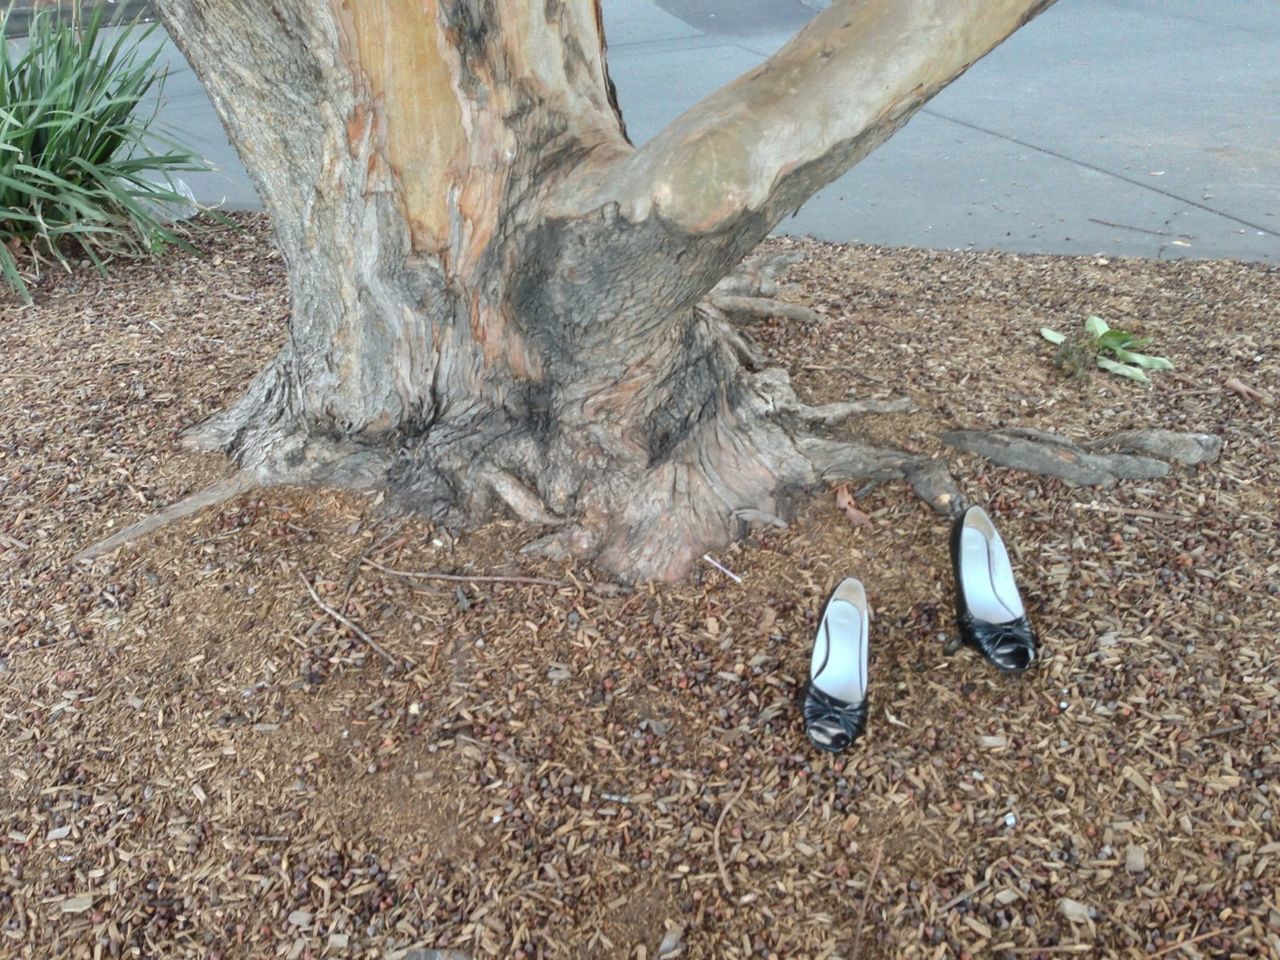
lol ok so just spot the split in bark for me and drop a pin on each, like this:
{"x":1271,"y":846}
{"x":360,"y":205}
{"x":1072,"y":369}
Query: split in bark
{"x":499,"y":304}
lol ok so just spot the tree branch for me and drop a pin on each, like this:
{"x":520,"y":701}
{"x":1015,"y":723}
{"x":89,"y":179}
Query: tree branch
{"x":767,"y":141}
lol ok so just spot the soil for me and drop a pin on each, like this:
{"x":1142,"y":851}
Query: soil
{"x":199,"y":761}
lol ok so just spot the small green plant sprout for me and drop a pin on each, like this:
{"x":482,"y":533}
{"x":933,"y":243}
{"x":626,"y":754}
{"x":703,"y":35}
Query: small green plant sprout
{"x":1115,"y":351}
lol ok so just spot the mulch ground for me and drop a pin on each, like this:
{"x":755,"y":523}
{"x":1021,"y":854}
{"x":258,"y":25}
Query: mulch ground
{"x":198,"y":761}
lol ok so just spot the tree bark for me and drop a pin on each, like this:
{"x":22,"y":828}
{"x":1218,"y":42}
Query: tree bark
{"x":497,"y":300}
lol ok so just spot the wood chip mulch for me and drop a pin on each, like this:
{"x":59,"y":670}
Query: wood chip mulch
{"x":200,"y":761}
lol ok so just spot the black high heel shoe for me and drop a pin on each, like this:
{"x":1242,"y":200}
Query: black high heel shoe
{"x":835,"y":698}
{"x":989,"y":611}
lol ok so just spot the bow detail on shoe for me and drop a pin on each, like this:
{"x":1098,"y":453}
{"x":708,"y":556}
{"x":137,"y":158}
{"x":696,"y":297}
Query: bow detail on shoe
{"x":1010,"y":646}
{"x":832,"y":724}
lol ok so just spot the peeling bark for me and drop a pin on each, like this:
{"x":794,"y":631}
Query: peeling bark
{"x":498,"y":302}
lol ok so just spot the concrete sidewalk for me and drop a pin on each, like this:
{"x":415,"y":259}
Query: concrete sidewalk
{"x":1126,"y":127}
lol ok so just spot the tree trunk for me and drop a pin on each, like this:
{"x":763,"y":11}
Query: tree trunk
{"x":497,"y":300}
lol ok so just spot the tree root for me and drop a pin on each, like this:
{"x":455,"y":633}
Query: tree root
{"x":1184,"y":448}
{"x":752,"y":309}
{"x":830,"y":413}
{"x":220,"y":492}
{"x":757,"y":276}
{"x":933,"y":483}
{"x":524,"y":503}
{"x":1036,"y":451}
{"x":749,"y":294}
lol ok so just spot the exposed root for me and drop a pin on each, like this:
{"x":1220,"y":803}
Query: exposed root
{"x":747,"y":515}
{"x":1185,"y":448}
{"x":835,"y":412}
{"x":526,"y":504}
{"x":220,"y":492}
{"x":260,"y":409}
{"x":839,"y":461}
{"x":933,"y":483}
{"x":1036,"y":451}
{"x":752,"y":309}
{"x":757,"y":276}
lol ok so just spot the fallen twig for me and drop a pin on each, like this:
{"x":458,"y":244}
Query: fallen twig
{"x":866,"y":896}
{"x":1186,"y":943}
{"x":1225,"y":731}
{"x":346,"y":623}
{"x":354,"y":570}
{"x":461,"y":578}
{"x":715,"y":839}
{"x":967,"y":895}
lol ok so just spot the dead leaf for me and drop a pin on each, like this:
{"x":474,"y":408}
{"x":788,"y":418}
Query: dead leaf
{"x":844,"y":500}
{"x":1236,"y":385}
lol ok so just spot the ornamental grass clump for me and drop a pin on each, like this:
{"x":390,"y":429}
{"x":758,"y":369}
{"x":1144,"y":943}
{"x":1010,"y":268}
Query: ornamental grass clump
{"x":83,"y":169}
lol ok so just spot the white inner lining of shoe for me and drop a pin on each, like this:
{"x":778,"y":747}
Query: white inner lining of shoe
{"x":985,"y":572}
{"x":842,"y":644}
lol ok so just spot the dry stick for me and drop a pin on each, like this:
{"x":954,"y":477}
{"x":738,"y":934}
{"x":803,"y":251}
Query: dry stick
{"x":715,"y":839}
{"x":1132,"y":512}
{"x":457,"y":578}
{"x":862,"y":913}
{"x":1186,"y":943}
{"x":968,"y":894}
{"x":1225,"y":731}
{"x":221,"y":491}
{"x":355,"y":564}
{"x":1056,"y":948}
{"x":346,"y":623}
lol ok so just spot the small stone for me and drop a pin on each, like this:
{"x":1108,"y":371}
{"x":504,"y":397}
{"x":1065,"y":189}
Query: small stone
{"x":1006,"y":897}
{"x":1010,"y":820}
{"x":300,"y":918}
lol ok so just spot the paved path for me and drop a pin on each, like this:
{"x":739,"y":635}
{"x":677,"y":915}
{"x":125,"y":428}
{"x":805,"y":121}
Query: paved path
{"x":1139,"y":127}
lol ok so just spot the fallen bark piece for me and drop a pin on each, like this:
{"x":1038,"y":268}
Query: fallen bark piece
{"x":1038,"y":452}
{"x":1073,"y":910}
{"x":1186,"y":448}
{"x":1135,"y":859}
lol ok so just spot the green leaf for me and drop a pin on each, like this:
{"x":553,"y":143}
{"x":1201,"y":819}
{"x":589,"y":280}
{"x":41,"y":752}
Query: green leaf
{"x":1113,"y":339}
{"x":1142,"y":359}
{"x":1095,"y":326}
{"x":1123,"y":370}
{"x":1053,"y":336}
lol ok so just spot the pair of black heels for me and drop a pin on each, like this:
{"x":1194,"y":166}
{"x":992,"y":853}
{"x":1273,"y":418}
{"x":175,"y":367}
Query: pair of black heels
{"x":989,"y":614}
